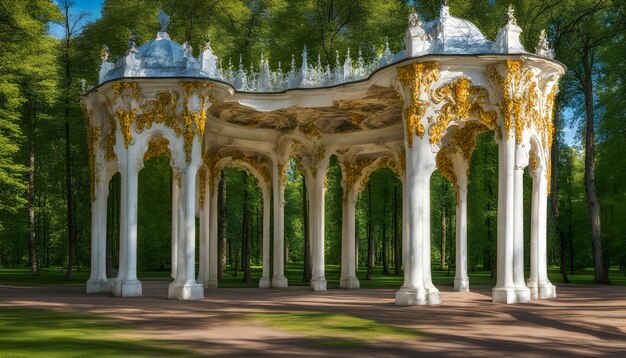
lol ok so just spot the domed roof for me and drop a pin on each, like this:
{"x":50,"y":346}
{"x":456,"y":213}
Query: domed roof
{"x":162,"y":53}
{"x":453,"y":35}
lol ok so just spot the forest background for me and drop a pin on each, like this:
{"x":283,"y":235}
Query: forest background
{"x":50,"y":53}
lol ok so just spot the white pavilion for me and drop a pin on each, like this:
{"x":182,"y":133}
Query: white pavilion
{"x":414,"y":112}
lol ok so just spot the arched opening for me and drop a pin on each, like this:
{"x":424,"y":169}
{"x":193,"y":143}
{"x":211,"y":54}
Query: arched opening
{"x":154,"y":212}
{"x":379,"y":230}
{"x":240,"y":217}
{"x":297,"y":240}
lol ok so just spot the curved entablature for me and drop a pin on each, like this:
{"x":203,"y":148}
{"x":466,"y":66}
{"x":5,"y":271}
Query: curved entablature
{"x":164,"y":58}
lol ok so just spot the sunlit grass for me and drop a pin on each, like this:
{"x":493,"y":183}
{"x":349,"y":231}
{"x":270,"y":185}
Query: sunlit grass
{"x":335,"y":329}
{"x":54,"y":276}
{"x":50,"y":334}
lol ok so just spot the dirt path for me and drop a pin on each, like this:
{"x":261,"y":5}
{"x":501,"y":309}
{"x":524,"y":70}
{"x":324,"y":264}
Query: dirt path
{"x":584,"y":320}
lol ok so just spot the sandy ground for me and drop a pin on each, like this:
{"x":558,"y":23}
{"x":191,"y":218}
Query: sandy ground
{"x":582,"y":321}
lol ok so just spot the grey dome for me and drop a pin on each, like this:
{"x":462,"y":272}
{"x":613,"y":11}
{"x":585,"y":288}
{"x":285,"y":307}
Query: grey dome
{"x":162,"y":53}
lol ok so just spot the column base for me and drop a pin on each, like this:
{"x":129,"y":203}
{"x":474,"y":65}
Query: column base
{"x":318,"y":284}
{"x":185,"y":291}
{"x":504,"y":295}
{"x":412,"y":297}
{"x":123,"y":288}
{"x":209,"y":284}
{"x":95,"y":286}
{"x":534,"y":289}
{"x":349,"y":283}
{"x":522,"y":294}
{"x":461,"y":284}
{"x":433,"y":297}
{"x":279,"y":282}
{"x":265,"y":282}
{"x":546,"y":291}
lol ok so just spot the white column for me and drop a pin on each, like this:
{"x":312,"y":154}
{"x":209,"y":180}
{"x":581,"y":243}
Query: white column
{"x":461,"y":280}
{"x":315,"y":186}
{"x":127,"y":284}
{"x":348,"y":242}
{"x":418,"y":288}
{"x":98,"y":281}
{"x":213,"y":255}
{"x":533,"y":280}
{"x":405,"y":235}
{"x":188,"y":289}
{"x":266,"y":281}
{"x":175,"y":202}
{"x":205,"y":217}
{"x":278,"y":279}
{"x":546,"y":288}
{"x":522,"y":293}
{"x":504,"y":291}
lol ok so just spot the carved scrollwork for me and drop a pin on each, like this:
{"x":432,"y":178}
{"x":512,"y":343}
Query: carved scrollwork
{"x":417,"y":79}
{"x":460,"y":100}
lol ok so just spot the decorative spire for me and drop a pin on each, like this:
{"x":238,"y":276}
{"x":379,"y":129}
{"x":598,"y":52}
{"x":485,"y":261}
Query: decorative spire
{"x":164,"y":20}
{"x":104,"y":53}
{"x":543,"y":46}
{"x":414,"y":20}
{"x":131,"y":41}
{"x":207,"y":45}
{"x":511,"y":15}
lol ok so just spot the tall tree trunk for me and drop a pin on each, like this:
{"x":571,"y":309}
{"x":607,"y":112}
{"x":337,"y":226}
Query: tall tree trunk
{"x":71,"y":232}
{"x":370,"y":239}
{"x":397,"y":243}
{"x":570,"y":230}
{"x":31,"y":115}
{"x":442,"y":261}
{"x":384,"y":253}
{"x":554,"y":196}
{"x":590,"y":181}
{"x":223,"y":225}
{"x":247,"y":226}
{"x":306,"y":277}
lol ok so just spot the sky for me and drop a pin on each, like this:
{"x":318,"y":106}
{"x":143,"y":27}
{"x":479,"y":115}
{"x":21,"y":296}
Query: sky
{"x":93,"y":8}
{"x":89,"y":6}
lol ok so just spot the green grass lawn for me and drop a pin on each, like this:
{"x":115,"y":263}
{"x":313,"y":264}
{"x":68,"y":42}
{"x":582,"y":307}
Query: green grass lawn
{"x":54,"y":276}
{"x":337,"y":330}
{"x":50,"y":334}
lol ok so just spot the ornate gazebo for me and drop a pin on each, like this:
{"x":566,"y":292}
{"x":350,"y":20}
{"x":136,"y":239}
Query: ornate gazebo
{"x":414,"y":111}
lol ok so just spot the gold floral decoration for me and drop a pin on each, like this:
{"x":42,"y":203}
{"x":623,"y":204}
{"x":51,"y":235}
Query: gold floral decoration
{"x":310,"y":129}
{"x":110,"y":140}
{"x":418,"y":77}
{"x":93,"y":138}
{"x":460,"y":100}
{"x":202,"y":172}
{"x":156,"y":147}
{"x":352,"y":170}
{"x":194,"y":121}
{"x":124,"y":94}
{"x":445,"y":166}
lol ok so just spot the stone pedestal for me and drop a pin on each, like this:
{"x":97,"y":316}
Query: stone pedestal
{"x":127,"y":288}
{"x":350,"y":283}
{"x":265,"y":282}
{"x":185,"y":291}
{"x":279,"y":282}
{"x":94,"y":286}
{"x":318,"y":284}
{"x":504,"y":295}
{"x":461,"y":284}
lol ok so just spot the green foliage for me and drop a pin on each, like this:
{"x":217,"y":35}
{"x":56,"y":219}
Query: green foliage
{"x":32,"y":77}
{"x":42,"y":333}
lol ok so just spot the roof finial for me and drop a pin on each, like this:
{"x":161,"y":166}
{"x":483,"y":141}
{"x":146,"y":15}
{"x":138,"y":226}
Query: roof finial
{"x":164,"y":20}
{"x":511,"y":14}
{"x":131,"y":40}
